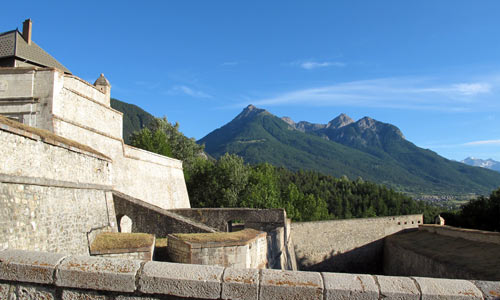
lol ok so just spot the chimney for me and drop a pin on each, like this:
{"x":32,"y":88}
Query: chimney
{"x":27,"y":31}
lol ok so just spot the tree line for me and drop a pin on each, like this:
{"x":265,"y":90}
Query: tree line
{"x":305,"y":195}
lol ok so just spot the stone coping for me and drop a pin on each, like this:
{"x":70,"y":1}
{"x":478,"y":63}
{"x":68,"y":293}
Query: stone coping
{"x":48,"y":137}
{"x":465,"y":233}
{"x":97,"y":277}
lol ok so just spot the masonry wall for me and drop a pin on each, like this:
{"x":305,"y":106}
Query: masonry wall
{"x":445,"y":252}
{"x":53,"y":196}
{"x":70,"y":107}
{"x":251,"y":253}
{"x":352,"y":245}
{"x":28,"y":275}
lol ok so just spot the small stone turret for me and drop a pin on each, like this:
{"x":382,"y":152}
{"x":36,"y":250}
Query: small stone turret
{"x":103,"y":85}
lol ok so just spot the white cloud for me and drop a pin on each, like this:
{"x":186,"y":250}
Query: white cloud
{"x":185,"y":90}
{"x":403,"y":93}
{"x":309,"y":65}
{"x":484,"y":142}
{"x":472,"y":88}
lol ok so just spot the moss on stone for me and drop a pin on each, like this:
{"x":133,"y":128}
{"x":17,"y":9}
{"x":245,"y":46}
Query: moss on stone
{"x":161,"y":242}
{"x":243,"y":235}
{"x":118,"y":240}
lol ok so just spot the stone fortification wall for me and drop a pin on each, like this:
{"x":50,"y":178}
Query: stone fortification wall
{"x":352,"y":245}
{"x":248,"y":252}
{"x":53,"y":195}
{"x":148,"y":218}
{"x":458,"y":253}
{"x":34,"y":275}
{"x":280,"y":250}
{"x":72,"y":108}
{"x":219,"y":218}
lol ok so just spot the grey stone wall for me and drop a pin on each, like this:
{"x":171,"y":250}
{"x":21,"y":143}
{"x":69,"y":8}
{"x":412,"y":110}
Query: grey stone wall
{"x":34,"y":275}
{"x":148,"y":218}
{"x":352,"y":245}
{"x":258,"y":219}
{"x":54,"y":219}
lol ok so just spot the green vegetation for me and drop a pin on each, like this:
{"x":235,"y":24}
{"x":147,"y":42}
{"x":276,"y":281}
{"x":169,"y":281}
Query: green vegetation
{"x":482,"y":213}
{"x":134,"y":118}
{"x":369,"y":149}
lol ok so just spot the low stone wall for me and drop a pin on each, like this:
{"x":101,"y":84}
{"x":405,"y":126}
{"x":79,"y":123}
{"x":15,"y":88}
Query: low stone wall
{"x":352,"y":245}
{"x":36,"y":275}
{"x":148,"y":218}
{"x":425,"y":253}
{"x":249,"y":251}
{"x":464,"y":233}
{"x":259,"y":219}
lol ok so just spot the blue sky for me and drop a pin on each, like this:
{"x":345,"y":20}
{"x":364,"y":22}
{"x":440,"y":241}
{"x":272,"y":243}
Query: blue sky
{"x":429,"y":67}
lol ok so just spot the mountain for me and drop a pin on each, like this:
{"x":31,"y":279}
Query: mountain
{"x":483,"y":163}
{"x":366,"y":148}
{"x":134,"y":117}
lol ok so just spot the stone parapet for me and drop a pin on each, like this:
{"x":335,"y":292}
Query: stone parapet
{"x":30,"y":275}
{"x":464,"y":233}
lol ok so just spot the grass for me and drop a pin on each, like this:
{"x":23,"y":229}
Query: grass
{"x":118,"y":240}
{"x":237,"y":236}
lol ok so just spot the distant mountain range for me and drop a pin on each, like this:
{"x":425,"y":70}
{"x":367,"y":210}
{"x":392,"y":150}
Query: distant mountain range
{"x":483,"y":163}
{"x":366,"y":148}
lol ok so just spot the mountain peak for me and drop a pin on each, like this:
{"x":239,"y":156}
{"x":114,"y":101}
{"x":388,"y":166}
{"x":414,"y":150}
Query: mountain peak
{"x":340,"y":121}
{"x":366,"y":123}
{"x":249,"y":111}
{"x":289,"y":121}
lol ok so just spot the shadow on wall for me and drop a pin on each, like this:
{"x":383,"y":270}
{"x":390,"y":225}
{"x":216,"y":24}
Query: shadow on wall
{"x":367,"y":259}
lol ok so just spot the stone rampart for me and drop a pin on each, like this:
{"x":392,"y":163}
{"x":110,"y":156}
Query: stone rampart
{"x":75,"y":109}
{"x":242,"y":249}
{"x":36,"y":275}
{"x":352,"y":245}
{"x":148,"y":218}
{"x":459,"y":253}
{"x":53,"y":194}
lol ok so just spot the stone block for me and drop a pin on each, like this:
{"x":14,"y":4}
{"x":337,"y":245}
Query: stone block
{"x":82,"y":295}
{"x":350,"y":286}
{"x":4,"y":290}
{"x":240,"y":284}
{"x":195,"y":281}
{"x":490,"y":289}
{"x":35,"y":292}
{"x":98,"y":273}
{"x":277,"y":284}
{"x":401,"y":288}
{"x":123,"y":297}
{"x":28,"y":266}
{"x":438,"y":288}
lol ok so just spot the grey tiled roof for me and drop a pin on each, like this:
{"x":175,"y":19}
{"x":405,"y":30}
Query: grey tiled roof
{"x":12,"y":44}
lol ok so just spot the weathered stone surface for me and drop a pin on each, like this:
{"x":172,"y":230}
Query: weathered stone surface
{"x":350,"y":286}
{"x":352,"y":245}
{"x":181,"y":280}
{"x":4,"y":290}
{"x":437,"y":288}
{"x":123,"y":297}
{"x":490,"y":289}
{"x":35,"y":292}
{"x":28,"y":266}
{"x":401,"y":288}
{"x":240,"y":284}
{"x":82,"y":295}
{"x":98,"y":273}
{"x":276,"y":284}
